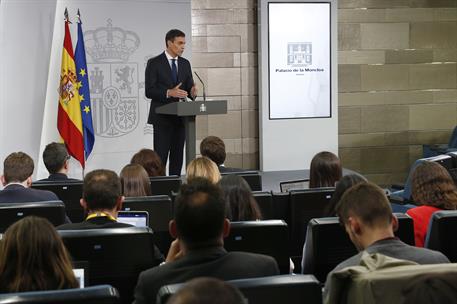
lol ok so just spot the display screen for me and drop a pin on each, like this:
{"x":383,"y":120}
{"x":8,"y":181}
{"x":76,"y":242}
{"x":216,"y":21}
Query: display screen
{"x":299,"y":60}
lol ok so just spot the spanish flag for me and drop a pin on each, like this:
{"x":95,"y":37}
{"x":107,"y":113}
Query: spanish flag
{"x":69,"y":121}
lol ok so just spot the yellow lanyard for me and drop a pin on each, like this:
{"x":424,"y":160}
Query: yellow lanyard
{"x":99,"y":214}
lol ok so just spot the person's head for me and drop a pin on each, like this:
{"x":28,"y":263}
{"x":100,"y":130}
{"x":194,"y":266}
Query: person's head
{"x":135,"y":181}
{"x":365,"y":212}
{"x":200,"y":215}
{"x":55,"y":158}
{"x":325,"y":170}
{"x":432,"y":288}
{"x":342,"y":185}
{"x":214,"y":148}
{"x":205,"y":291}
{"x":432,"y":185}
{"x":241,"y":204}
{"x":33,"y":257}
{"x":102,"y":191}
{"x":203,"y":167}
{"x":17,"y":168}
{"x":150,"y":161}
{"x":175,"y":41}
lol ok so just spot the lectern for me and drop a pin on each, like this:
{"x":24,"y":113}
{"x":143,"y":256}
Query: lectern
{"x":188,"y":110}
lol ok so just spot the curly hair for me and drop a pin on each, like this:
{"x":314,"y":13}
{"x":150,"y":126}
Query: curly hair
{"x":433,"y":186}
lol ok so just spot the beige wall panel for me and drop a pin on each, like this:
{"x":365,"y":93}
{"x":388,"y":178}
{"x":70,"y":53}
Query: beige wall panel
{"x":384,"y":77}
{"x":386,"y":97}
{"x":233,"y":102}
{"x":201,"y":126}
{"x":372,"y":3}
{"x":361,"y":140}
{"x":249,"y":102}
{"x":350,"y":158}
{"x":432,"y":117}
{"x":409,"y":56}
{"x":250,"y":145}
{"x":385,"y":159}
{"x":445,"y":14}
{"x":250,"y":124}
{"x":233,"y":145}
{"x":432,"y":3}
{"x":445,"y":55}
{"x":384,"y":35}
{"x":212,"y":4}
{"x":433,"y":76}
{"x":249,"y":81}
{"x":198,"y":30}
{"x":224,"y":81}
{"x":430,"y":137}
{"x":227,"y":126}
{"x":433,"y":35}
{"x":199,"y":44}
{"x":349,"y":78}
{"x":222,"y":16}
{"x":358,"y":15}
{"x":223,"y":44}
{"x":234,"y":160}
{"x":251,"y":161}
{"x":448,"y":96}
{"x":384,"y":118}
{"x":349,"y":120}
{"x":361,"y":57}
{"x":212,"y":60}
{"x":410,"y":14}
{"x":349,"y":36}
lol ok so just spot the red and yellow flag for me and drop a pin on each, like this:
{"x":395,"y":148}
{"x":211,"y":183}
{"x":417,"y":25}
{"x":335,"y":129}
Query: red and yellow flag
{"x":69,"y":122}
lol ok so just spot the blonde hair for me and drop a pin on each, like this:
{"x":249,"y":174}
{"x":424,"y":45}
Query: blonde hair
{"x":203,"y":167}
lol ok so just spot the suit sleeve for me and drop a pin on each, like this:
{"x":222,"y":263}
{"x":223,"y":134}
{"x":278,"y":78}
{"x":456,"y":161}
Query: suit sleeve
{"x":140,"y":297}
{"x":152,"y":89}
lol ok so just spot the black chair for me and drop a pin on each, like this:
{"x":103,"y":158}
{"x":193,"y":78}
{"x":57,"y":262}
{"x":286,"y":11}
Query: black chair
{"x":441,"y":235}
{"x":164,"y":185}
{"x":281,"y":206}
{"x":264,"y":237}
{"x":253,"y":178}
{"x":290,"y":289}
{"x":328,"y":244}
{"x":160,"y":210}
{"x":69,"y":192}
{"x":265,"y":202}
{"x":115,"y":256}
{"x":54,"y":211}
{"x":102,"y":294}
{"x":305,"y":205}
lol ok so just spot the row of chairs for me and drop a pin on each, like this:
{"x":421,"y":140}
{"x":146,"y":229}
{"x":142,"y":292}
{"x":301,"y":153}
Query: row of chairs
{"x":292,"y":289}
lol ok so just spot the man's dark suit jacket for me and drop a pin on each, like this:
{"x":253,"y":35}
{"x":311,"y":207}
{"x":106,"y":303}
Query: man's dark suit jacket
{"x":19,"y":194}
{"x":158,"y":80}
{"x":224,"y":169}
{"x":213,"y":262}
{"x":58,"y":177}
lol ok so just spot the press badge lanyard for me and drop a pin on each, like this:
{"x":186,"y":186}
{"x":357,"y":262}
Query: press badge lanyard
{"x":99,"y":214}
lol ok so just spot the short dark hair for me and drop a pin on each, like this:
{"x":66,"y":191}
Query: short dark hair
{"x":150,"y":161}
{"x":205,"y":291}
{"x":172,"y":34}
{"x":101,"y":189}
{"x":325,"y":170}
{"x":17,"y":167}
{"x":214,"y":148}
{"x":54,"y":157}
{"x":200,"y":213}
{"x":366,"y":201}
{"x":342,"y":186}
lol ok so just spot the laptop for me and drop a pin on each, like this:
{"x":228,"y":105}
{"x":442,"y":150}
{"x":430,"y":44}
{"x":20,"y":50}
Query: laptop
{"x":135,"y":218}
{"x":81,"y":271}
{"x":299,"y":184}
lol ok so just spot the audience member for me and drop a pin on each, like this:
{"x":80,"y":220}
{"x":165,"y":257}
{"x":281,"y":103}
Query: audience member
{"x":200,"y":226}
{"x":150,"y":161}
{"x":57,"y":162}
{"x":135,"y":181}
{"x":205,"y":291}
{"x":432,"y":289}
{"x":365,"y":212}
{"x":241,"y":204}
{"x":214,"y":148}
{"x":33,"y":257}
{"x":17,"y":179}
{"x":203,"y":167}
{"x":342,"y":185}
{"x":433,"y":189}
{"x":325,"y":170}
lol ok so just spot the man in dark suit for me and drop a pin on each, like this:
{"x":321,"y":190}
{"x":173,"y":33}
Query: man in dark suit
{"x":214,"y":148}
{"x":57,"y":162}
{"x":17,"y":179}
{"x":168,"y":78}
{"x":200,"y":226}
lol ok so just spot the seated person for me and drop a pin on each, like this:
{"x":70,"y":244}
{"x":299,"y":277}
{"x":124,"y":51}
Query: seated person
{"x":57,"y":162}
{"x":17,"y":179}
{"x":150,"y":161}
{"x":241,"y":204}
{"x":325,"y":170}
{"x":135,"y":181}
{"x":433,"y":189}
{"x":203,"y":167}
{"x":214,"y":148}
{"x":34,"y":258}
{"x":200,"y":226}
{"x":365,"y":212}
{"x":205,"y":290}
{"x":432,"y":289}
{"x":342,"y":185}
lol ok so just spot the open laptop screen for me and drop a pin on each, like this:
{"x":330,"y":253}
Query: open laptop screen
{"x":294,"y":185}
{"x":135,"y":218}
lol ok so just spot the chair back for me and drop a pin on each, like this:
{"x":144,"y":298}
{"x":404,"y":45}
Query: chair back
{"x":265,"y":202}
{"x":253,"y":178}
{"x":164,"y":185}
{"x":441,"y":235}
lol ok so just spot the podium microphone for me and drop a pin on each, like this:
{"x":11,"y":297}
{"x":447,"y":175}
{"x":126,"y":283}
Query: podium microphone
{"x":203,"y":84}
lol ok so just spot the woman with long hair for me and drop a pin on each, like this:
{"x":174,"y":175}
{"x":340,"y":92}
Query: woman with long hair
{"x":150,"y":161}
{"x":325,"y":170}
{"x":33,"y":258}
{"x":135,"y":181}
{"x":432,"y":189}
{"x":241,"y":204}
{"x":203,"y":167}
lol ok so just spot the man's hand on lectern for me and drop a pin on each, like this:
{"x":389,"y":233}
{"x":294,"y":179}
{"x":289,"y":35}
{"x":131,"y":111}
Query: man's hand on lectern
{"x":177,"y":92}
